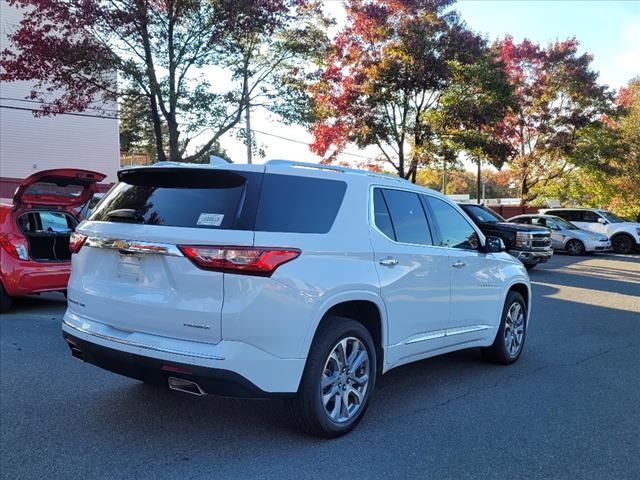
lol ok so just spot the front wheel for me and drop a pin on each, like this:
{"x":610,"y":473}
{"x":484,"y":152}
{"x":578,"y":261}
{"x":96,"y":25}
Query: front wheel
{"x":575,"y":248}
{"x":512,"y":332}
{"x":338,"y":380}
{"x":622,"y":244}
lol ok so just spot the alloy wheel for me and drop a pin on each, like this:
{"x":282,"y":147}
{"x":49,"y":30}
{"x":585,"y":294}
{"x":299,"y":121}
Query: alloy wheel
{"x":622,"y":244}
{"x":575,"y":247}
{"x":345,"y":380}
{"x":514,"y":329}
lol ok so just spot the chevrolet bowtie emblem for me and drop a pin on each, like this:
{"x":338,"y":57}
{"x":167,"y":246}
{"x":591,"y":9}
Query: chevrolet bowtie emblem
{"x":121,"y":244}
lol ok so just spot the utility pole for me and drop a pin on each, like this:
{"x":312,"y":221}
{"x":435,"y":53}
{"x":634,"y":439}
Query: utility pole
{"x":444,"y":177}
{"x":479,"y":178}
{"x":245,"y":93}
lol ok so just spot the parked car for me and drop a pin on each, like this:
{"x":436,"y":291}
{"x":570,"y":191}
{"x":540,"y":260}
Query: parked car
{"x":529,"y":244}
{"x":286,"y":279}
{"x":624,"y":235}
{"x":36,"y":228}
{"x":565,"y":235}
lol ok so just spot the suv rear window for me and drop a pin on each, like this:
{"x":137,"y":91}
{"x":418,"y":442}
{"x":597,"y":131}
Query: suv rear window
{"x":180,"y":197}
{"x":52,"y":188}
{"x":223,"y":199}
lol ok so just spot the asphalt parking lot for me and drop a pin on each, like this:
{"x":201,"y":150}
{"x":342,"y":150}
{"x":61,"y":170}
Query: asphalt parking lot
{"x":570,"y":408}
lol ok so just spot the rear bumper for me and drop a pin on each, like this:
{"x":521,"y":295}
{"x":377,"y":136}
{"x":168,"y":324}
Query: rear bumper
{"x":227,"y":368}
{"x":24,"y":277}
{"x":152,"y":370}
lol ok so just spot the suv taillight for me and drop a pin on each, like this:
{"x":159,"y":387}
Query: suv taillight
{"x":76,"y":240}
{"x":249,"y":260}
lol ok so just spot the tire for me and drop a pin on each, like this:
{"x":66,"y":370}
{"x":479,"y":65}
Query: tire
{"x":5,"y":300}
{"x":530,"y":266}
{"x":502,"y":351}
{"x":622,"y":243}
{"x":310,"y":409}
{"x":575,"y":248}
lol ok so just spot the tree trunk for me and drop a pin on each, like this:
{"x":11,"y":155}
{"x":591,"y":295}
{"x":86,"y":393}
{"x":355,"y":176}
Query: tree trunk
{"x":245,"y":93}
{"x":157,"y":129}
{"x":524,"y":191}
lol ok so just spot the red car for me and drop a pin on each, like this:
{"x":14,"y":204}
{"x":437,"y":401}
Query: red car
{"x":36,"y":227}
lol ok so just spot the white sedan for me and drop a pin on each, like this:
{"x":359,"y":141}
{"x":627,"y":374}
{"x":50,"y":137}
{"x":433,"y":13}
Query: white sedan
{"x":566,"y":236}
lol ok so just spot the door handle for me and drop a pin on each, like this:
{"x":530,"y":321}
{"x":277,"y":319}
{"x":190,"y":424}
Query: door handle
{"x":388,"y":262}
{"x":458,"y":264}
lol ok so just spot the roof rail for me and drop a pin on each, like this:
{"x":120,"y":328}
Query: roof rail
{"x":321,"y":166}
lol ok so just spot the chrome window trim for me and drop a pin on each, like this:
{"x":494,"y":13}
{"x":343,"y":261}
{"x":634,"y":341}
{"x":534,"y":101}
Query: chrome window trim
{"x":372,"y":223}
{"x":435,"y":334}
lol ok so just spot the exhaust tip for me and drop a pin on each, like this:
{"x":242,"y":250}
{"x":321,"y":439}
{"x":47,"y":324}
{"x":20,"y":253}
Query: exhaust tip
{"x":185,"y":386}
{"x":75,"y":351}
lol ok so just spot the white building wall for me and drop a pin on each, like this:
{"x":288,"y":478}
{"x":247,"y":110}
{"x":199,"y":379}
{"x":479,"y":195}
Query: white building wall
{"x":29,"y":143}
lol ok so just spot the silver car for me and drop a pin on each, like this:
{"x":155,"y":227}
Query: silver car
{"x":566,"y":236}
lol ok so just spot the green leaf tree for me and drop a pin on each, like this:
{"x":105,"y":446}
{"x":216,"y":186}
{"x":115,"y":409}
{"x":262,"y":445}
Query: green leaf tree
{"x":198,"y":64}
{"x":559,"y":108}
{"x":388,"y":70}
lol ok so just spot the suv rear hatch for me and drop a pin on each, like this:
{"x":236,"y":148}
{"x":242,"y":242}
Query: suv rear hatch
{"x":130,"y":273}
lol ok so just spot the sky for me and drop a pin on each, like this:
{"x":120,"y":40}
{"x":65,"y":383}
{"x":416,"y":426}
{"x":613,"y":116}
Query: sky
{"x":608,"y":29}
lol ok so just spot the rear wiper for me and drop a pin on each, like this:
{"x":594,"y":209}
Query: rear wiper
{"x":125,"y":214}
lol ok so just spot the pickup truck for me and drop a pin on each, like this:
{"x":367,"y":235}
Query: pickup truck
{"x":529,"y":244}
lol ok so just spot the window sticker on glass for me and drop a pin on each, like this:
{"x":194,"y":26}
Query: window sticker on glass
{"x":210,"y":219}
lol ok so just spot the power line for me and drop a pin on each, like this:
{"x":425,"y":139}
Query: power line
{"x":293,"y":140}
{"x":106,"y":117}
{"x":26,"y":100}
{"x":308,"y":144}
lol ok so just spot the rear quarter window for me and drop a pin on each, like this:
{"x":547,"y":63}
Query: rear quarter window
{"x":298,"y":204}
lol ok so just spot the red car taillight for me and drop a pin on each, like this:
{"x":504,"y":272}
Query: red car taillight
{"x":15,"y":250}
{"x":76,"y":240}
{"x":253,"y":261}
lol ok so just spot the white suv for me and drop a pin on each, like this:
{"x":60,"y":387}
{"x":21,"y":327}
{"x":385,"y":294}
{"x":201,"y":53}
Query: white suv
{"x":624,"y":235}
{"x":285,"y":279}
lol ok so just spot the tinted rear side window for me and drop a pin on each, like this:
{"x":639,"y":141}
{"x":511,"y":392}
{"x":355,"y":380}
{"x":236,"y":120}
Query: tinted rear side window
{"x":381,"y":212}
{"x":407,"y":217}
{"x":569,"y":215}
{"x":298,"y":204}
{"x":181,"y":197}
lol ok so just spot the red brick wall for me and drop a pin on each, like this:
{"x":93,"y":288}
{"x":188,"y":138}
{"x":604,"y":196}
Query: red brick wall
{"x":508,"y":211}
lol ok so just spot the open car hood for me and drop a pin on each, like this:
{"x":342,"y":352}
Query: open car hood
{"x":65,"y":187}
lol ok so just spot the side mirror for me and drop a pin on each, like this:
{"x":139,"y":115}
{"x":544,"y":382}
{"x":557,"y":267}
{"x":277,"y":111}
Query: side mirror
{"x":494,"y":245}
{"x":602,"y":221}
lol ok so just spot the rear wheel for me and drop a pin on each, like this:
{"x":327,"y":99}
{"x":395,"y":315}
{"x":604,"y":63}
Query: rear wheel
{"x":5,"y":300}
{"x":509,"y":341}
{"x":575,"y":247}
{"x":530,"y":266}
{"x":338,"y":380}
{"x":622,"y":243}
